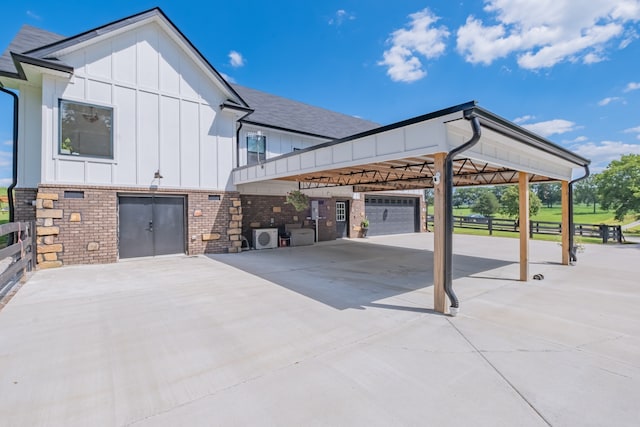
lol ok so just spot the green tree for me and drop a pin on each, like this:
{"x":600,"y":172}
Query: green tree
{"x":586,"y":191}
{"x":510,"y":202}
{"x":497,"y":190}
{"x":548,"y":193}
{"x":487,"y":204}
{"x":619,"y":186}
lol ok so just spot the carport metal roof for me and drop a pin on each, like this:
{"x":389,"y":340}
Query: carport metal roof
{"x":458,"y":146}
{"x":401,"y":155}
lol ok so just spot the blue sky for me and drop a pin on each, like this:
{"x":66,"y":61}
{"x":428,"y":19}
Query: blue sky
{"x":566,"y":69}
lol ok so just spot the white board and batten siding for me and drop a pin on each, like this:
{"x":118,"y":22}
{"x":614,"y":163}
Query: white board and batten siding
{"x":29,"y":137}
{"x":166,"y":115}
{"x":278,"y":142}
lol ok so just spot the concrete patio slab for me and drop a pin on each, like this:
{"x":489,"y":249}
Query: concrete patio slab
{"x":339,"y":333}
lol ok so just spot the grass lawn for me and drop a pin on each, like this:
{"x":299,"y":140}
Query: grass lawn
{"x":4,"y":215}
{"x":513,"y":235}
{"x":581,"y":214}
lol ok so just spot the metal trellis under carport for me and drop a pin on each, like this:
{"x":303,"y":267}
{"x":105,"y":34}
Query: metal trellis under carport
{"x":459,"y":146}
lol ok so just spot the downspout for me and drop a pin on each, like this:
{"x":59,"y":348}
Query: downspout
{"x":448,"y":240}
{"x":14,"y":176}
{"x":238,"y":128}
{"x":572,"y":252}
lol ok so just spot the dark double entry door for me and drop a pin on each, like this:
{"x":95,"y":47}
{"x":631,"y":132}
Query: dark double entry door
{"x":150,"y":225}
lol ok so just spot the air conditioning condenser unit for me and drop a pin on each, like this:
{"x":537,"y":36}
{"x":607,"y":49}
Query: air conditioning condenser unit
{"x":265,"y":238}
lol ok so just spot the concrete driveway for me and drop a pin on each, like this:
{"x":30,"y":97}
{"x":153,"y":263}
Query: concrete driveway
{"x":340,"y":333}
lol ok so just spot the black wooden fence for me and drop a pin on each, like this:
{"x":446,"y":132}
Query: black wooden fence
{"x":608,"y":233}
{"x":18,"y":253}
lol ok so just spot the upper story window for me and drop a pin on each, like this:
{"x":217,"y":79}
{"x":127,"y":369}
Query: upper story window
{"x":85,"y":130}
{"x":256,"y":148}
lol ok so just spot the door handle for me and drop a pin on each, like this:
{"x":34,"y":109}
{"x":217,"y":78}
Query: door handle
{"x":150,"y":226}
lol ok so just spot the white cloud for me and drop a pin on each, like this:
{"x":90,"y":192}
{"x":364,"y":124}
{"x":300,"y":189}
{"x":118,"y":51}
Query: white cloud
{"x":33,"y":15}
{"x":635,"y":130}
{"x":340,"y":16}
{"x":579,"y":139}
{"x":523,"y":119}
{"x":551,"y":127}
{"x":419,"y":39}
{"x":543,"y":33}
{"x":6,"y":159}
{"x":5,"y":182}
{"x":608,"y":100}
{"x":632,"y":86}
{"x":228,"y":78}
{"x":235,"y":59}
{"x":602,"y":153}
{"x":7,"y":142}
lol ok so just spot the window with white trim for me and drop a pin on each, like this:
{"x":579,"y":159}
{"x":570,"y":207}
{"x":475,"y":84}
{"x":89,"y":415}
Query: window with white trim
{"x":341,"y":211}
{"x":256,"y":148}
{"x":85,"y":130}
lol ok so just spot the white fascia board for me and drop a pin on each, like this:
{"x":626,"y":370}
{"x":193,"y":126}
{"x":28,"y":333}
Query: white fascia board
{"x":411,"y":140}
{"x":499,"y":150}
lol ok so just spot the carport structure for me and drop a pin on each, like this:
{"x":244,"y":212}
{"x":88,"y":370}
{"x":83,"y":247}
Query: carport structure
{"x":462,"y":145}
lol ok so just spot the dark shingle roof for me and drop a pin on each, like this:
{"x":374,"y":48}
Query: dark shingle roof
{"x":28,"y":38}
{"x":282,"y":113}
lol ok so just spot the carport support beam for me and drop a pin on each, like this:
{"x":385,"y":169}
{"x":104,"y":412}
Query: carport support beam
{"x":439,"y":236}
{"x":523,"y":186}
{"x":566,"y":227}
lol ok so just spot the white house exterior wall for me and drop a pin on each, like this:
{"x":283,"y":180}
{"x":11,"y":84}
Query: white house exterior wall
{"x":278,"y":142}
{"x":30,"y":136}
{"x":166,"y":116}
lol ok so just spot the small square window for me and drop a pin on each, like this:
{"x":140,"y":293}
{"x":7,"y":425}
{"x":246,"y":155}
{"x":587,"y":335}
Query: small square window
{"x":85,"y":130}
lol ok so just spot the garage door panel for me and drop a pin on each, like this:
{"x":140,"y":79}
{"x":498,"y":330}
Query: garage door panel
{"x":391,"y":215}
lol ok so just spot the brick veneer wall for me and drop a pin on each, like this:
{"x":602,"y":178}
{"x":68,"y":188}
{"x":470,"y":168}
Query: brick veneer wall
{"x":85,"y":230}
{"x":214,"y":226}
{"x":259,"y":210}
{"x":24,"y":210}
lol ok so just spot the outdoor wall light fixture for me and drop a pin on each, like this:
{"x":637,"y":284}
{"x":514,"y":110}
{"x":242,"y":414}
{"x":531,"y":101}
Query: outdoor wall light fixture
{"x":436,"y":178}
{"x":157,"y":175}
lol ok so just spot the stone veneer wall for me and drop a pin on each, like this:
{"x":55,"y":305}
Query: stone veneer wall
{"x":85,"y":230}
{"x":423,"y":214}
{"x":356,"y":216}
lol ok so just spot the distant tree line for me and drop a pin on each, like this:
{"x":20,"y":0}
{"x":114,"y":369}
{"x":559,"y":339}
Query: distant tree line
{"x":616,"y":188}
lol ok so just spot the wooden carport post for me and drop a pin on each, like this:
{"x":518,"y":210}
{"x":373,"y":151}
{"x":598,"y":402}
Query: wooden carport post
{"x":566,"y":232}
{"x":439,"y":235}
{"x":523,"y":185}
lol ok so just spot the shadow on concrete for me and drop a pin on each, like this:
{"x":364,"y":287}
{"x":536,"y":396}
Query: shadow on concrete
{"x":346,"y":274}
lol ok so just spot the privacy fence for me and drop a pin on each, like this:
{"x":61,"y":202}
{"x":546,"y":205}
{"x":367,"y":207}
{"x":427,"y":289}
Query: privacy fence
{"x":607,"y":233}
{"x":17,"y":253}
